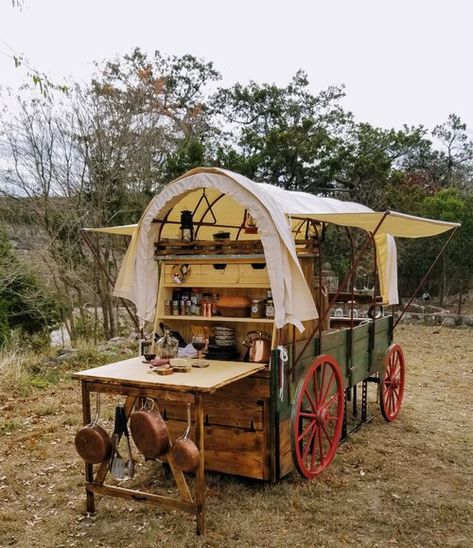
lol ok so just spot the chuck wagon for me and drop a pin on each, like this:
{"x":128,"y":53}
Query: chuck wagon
{"x":218,"y":254}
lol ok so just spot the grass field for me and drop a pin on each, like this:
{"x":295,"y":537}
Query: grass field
{"x":408,"y":483}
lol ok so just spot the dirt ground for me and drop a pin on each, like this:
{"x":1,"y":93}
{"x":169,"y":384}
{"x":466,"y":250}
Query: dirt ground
{"x":408,"y":483}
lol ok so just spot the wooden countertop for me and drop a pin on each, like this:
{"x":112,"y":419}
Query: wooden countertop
{"x":134,"y":372}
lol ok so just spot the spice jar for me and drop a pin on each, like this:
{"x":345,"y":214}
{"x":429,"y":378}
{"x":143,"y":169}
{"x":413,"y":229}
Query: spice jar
{"x":168,"y":307}
{"x":258,"y":308}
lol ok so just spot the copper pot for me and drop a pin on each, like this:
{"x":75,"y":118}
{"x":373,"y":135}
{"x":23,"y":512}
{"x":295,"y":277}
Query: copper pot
{"x":149,"y":431}
{"x":185,"y":452}
{"x":259,"y":346}
{"x":92,"y":441}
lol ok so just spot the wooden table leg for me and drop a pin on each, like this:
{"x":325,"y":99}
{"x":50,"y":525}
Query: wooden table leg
{"x":89,"y":468}
{"x":199,"y":475}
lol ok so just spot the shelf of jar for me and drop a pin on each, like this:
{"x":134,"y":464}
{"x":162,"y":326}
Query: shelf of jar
{"x":218,"y":319}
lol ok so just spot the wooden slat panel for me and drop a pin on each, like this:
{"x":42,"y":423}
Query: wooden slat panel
{"x":217,"y":411}
{"x":223,"y":438}
{"x":249,"y":466}
{"x":230,"y":450}
{"x":251,"y":386}
{"x":286,"y":464}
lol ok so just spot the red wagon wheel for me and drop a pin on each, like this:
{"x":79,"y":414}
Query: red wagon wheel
{"x":392,"y":382}
{"x":317,"y":416}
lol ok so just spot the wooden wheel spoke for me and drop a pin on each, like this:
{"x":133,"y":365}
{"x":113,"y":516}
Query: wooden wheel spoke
{"x":316,"y":388}
{"x":320,"y":443}
{"x":307,"y":415}
{"x":306,"y":430}
{"x":329,"y":384}
{"x":327,"y":435}
{"x":392,"y":404}
{"x":322,"y":382}
{"x":309,"y":443}
{"x":314,"y":453}
{"x":331,"y":401}
{"x":394,"y":372}
{"x":311,"y":401}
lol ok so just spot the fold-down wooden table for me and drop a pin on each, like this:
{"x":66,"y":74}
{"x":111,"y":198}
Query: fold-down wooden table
{"x":134,"y":379}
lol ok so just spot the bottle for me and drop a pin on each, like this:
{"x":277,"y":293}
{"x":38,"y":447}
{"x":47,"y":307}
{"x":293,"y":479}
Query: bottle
{"x":215,"y":297}
{"x":269,"y":308}
{"x":167,"y":345}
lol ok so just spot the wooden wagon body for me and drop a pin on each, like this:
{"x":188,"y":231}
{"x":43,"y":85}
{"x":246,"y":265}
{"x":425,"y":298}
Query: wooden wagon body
{"x":291,"y":412}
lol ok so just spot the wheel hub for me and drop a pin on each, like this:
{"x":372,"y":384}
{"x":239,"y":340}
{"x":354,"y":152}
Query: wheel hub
{"x":393,"y":382}
{"x":321,"y":416}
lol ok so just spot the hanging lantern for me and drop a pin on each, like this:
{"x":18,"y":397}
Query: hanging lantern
{"x":187,"y":226}
{"x":250,"y":224}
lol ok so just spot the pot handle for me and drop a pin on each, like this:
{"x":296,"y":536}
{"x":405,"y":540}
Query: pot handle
{"x":97,"y":409}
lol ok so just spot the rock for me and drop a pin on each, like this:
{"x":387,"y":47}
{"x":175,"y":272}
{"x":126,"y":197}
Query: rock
{"x":449,"y":321}
{"x":433,"y":319}
{"x":67,"y":355}
{"x":116,"y":341}
{"x":60,"y":337}
{"x":468,"y":320}
{"x":430,"y":309}
{"x":414,"y":307}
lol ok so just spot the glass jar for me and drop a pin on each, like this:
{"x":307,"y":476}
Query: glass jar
{"x":215,"y":298}
{"x":269,"y":311}
{"x":167,"y":345}
{"x":258,"y":308}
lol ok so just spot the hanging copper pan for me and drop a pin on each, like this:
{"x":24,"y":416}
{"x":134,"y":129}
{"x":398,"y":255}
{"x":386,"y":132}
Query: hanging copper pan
{"x":149,"y":431}
{"x":184,"y":451}
{"x":92,"y":441}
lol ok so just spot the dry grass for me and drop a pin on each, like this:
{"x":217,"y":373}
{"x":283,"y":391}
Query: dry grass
{"x":408,"y":483}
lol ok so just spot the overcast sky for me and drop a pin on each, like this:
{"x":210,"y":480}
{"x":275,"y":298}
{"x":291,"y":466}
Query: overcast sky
{"x":403,"y":61}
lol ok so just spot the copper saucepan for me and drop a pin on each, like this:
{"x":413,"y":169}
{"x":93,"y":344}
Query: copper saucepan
{"x":149,"y":431}
{"x":184,"y":451}
{"x":92,"y":441}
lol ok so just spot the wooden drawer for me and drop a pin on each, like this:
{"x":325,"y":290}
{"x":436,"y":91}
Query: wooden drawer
{"x":194,"y":277}
{"x":249,"y":275}
{"x":219,"y":277}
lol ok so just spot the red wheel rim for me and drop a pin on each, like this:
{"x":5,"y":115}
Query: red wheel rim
{"x":317,"y":416}
{"x":392,"y":382}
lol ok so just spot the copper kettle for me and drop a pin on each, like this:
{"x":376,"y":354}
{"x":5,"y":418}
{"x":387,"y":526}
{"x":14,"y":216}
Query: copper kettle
{"x":259,"y":346}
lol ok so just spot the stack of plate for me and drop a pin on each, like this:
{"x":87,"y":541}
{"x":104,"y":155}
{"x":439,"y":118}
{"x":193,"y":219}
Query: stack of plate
{"x":224,"y":336}
{"x":225,"y":347}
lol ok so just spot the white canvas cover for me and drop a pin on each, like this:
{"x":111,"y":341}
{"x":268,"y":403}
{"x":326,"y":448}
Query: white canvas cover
{"x":271,"y":207}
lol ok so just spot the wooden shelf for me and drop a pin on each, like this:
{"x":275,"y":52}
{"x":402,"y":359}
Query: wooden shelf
{"x":215,"y":286}
{"x":217,"y":319}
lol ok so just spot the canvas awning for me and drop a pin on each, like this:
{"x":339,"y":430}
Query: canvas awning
{"x":230,"y":195}
{"x":124,"y":230}
{"x":396,"y":224}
